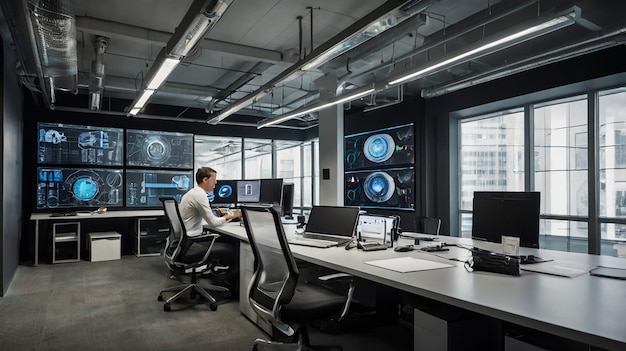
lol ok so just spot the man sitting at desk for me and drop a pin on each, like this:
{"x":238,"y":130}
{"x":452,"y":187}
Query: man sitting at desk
{"x":195,"y":207}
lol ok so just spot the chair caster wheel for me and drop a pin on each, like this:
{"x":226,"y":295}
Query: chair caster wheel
{"x":167,"y":307}
{"x":160,"y":298}
{"x":213,"y":306}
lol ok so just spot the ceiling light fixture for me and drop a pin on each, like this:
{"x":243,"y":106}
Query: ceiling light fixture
{"x":199,"y":19}
{"x":355,"y":94}
{"x":500,"y":42}
{"x":374,"y":23}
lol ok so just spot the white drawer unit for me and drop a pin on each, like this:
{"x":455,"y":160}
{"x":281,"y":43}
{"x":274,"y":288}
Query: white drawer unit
{"x":66,"y":242}
{"x":104,"y":246}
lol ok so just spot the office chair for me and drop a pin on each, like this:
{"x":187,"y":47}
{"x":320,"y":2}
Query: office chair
{"x":275,"y":293}
{"x":427,"y":225}
{"x":184,"y":254}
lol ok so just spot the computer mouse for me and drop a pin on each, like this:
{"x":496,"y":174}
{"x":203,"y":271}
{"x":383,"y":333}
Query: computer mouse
{"x":299,"y":230}
{"x":404,"y":248}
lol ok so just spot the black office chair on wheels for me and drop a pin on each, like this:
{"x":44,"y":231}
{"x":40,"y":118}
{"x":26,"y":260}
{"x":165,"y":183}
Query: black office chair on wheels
{"x":187,"y":255}
{"x":274,"y":291}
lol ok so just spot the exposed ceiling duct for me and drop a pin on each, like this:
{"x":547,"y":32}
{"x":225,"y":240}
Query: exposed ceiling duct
{"x":249,"y":61}
{"x":54,"y":28}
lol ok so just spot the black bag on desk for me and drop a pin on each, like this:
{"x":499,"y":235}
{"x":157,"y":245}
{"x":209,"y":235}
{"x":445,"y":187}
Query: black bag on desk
{"x":488,"y":261}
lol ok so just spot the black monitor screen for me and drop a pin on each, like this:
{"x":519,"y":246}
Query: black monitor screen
{"x":65,"y":144}
{"x":78,"y":187}
{"x":287,"y":200}
{"x":225,"y":192}
{"x":249,"y":191}
{"x":145,"y":187}
{"x":147,"y":148}
{"x":334,"y":220}
{"x":271,"y":191}
{"x":506,"y":213}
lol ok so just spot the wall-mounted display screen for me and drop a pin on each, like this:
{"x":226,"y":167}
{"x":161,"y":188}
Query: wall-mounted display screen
{"x":248,"y":191}
{"x":65,"y":144}
{"x":145,"y":148}
{"x":392,"y":188}
{"x":78,"y":187}
{"x":393,"y":146}
{"x":144,"y":188}
{"x":225,"y":193}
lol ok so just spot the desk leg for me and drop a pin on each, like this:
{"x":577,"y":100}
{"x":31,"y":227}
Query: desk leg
{"x":36,"y":242}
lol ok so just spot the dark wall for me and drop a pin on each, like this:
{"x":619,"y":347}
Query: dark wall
{"x":12,"y":156}
{"x":410,"y":111}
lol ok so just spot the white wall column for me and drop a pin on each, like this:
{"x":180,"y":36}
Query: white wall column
{"x":331,"y":145}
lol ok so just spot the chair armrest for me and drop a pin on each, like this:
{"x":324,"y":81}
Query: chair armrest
{"x":336,"y":276}
{"x":203,"y":237}
{"x":342,"y":277}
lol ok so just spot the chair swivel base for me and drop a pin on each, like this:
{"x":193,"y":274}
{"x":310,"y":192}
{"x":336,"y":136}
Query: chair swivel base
{"x":194,"y":289}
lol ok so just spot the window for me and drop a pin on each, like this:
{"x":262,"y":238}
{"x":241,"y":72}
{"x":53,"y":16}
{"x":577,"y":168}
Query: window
{"x":561,"y":159}
{"x":258,"y":158}
{"x":220,"y":153}
{"x":491,"y":158}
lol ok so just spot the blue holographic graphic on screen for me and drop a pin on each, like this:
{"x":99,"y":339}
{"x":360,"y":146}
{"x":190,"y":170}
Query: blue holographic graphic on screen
{"x":225,"y":191}
{"x":379,"y":147}
{"x":379,"y":187}
{"x":85,"y":188}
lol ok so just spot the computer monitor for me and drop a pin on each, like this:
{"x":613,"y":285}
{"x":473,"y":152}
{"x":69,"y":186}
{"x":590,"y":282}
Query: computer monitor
{"x":249,"y":191}
{"x":271,"y":191}
{"x":287,"y":200}
{"x":506,"y":213}
{"x":225,"y":192}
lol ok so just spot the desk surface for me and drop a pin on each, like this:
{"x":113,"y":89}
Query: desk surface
{"x":585,"y":308}
{"x":108,"y":214}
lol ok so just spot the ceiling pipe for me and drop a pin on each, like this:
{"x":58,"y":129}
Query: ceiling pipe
{"x":319,"y":56}
{"x":449,"y":36}
{"x":613,"y":38}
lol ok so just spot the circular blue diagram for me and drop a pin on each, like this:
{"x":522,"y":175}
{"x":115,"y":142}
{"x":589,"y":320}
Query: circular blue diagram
{"x":379,"y":147}
{"x":379,"y":187}
{"x":225,"y":191}
{"x":85,"y":188}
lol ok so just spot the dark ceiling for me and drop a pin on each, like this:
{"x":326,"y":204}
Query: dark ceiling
{"x":69,"y":53}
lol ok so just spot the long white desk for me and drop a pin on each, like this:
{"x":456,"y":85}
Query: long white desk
{"x":37,"y":217}
{"x":586,"y":308}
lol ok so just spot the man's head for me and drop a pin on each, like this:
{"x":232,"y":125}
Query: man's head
{"x":206,"y":177}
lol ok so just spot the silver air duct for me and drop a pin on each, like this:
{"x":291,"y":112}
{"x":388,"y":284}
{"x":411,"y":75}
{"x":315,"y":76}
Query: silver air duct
{"x":96,"y":81}
{"x":54,"y":27}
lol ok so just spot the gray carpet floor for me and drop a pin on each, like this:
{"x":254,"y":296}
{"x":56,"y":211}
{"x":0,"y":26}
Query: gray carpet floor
{"x":113,"y":305}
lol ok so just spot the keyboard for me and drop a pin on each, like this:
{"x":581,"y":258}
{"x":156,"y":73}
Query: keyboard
{"x":312,"y":242}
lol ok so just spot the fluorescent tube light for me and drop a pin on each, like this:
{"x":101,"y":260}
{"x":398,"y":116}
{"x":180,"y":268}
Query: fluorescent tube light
{"x":165,"y":69}
{"x":200,"y":18}
{"x":140,"y":102}
{"x":318,"y":106}
{"x":497,"y":44}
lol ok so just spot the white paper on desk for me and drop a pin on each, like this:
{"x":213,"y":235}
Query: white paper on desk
{"x":554,"y":270}
{"x":408,"y":264}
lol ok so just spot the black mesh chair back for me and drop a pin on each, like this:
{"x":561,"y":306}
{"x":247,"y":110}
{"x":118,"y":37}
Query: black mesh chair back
{"x":276,"y":275}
